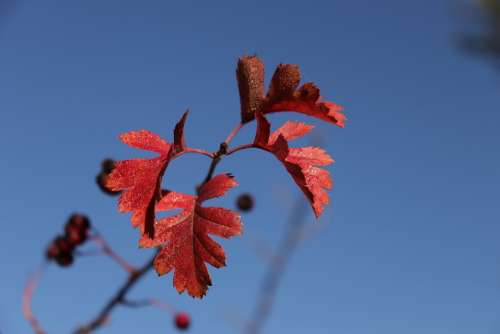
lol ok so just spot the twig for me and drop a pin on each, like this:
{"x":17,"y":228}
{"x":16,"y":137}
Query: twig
{"x":195,"y":150}
{"x":294,"y":235}
{"x":239,"y":148}
{"x":106,"y":248}
{"x":117,"y":299}
{"x":215,"y":160}
{"x":150,"y":302}
{"x":28,"y":297}
{"x":262,"y":248}
{"x":276,"y":268}
{"x":233,"y":133}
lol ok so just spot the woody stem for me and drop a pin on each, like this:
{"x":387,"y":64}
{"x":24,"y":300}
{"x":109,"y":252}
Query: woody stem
{"x":215,"y":160}
{"x":233,"y":133}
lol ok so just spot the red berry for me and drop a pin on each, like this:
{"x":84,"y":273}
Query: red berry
{"x":245,"y":202}
{"x":64,"y":259}
{"x":182,"y":321}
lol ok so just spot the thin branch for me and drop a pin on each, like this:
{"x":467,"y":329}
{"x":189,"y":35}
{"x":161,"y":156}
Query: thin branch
{"x":233,"y":133}
{"x":295,"y":234}
{"x":33,"y":281}
{"x":215,"y":160}
{"x":262,"y":248}
{"x":92,"y":252}
{"x":276,"y":268}
{"x":197,"y":151}
{"x":106,"y":248}
{"x":241,"y":147}
{"x":150,"y":302}
{"x":116,"y":299}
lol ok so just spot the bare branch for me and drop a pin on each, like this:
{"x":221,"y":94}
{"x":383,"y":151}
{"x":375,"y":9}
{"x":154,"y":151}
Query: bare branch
{"x":33,"y":281}
{"x":116,"y":299}
{"x":276,"y":268}
{"x":106,"y":249}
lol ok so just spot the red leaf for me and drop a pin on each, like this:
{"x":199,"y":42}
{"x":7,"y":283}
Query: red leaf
{"x":140,"y":179}
{"x":179,"y":141}
{"x":185,"y":240}
{"x":301,"y":163}
{"x":284,"y":93}
{"x":291,"y":130}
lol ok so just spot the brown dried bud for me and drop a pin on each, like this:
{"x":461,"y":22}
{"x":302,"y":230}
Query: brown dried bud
{"x":285,"y":81}
{"x":250,"y":77}
{"x":308,"y":92}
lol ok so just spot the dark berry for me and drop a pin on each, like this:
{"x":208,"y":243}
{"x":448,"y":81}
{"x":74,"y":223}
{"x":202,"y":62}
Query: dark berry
{"x":60,"y":250}
{"x":79,"y":221}
{"x":182,"y":321}
{"x":63,"y":245}
{"x":245,"y":202}
{"x":64,"y":259}
{"x":52,"y":251}
{"x":75,"y":235}
{"x":107,"y":166}
{"x":100,"y":179}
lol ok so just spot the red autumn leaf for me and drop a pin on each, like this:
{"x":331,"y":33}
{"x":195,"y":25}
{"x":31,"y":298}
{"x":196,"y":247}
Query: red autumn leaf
{"x":301,"y":163}
{"x":184,"y":236}
{"x":140,"y":179}
{"x":284,"y":93}
{"x":179,"y":141}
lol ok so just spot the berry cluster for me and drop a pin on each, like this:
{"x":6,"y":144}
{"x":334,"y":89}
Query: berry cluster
{"x":107,"y":167}
{"x":182,"y":321}
{"x":75,"y":233}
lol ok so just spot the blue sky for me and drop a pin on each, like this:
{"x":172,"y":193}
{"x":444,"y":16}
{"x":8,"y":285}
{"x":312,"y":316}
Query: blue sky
{"x":412,"y":239}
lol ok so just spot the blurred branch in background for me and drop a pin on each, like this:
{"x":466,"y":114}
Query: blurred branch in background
{"x":276,"y":269}
{"x":28,"y":297}
{"x":485,"y":38}
{"x":297,"y":230}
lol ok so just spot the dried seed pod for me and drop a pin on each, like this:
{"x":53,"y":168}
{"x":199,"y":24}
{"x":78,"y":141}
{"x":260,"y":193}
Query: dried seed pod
{"x":250,"y":77}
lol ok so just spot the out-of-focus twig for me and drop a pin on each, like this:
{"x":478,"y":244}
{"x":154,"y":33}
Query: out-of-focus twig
{"x":261,"y":247}
{"x":296,"y":232}
{"x":150,"y":302}
{"x":276,"y":268}
{"x":116,"y":299}
{"x":33,"y":281}
{"x":106,"y":249}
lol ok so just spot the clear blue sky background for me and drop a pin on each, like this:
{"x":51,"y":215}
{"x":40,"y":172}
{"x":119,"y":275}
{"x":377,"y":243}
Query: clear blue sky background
{"x":412,"y":244}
